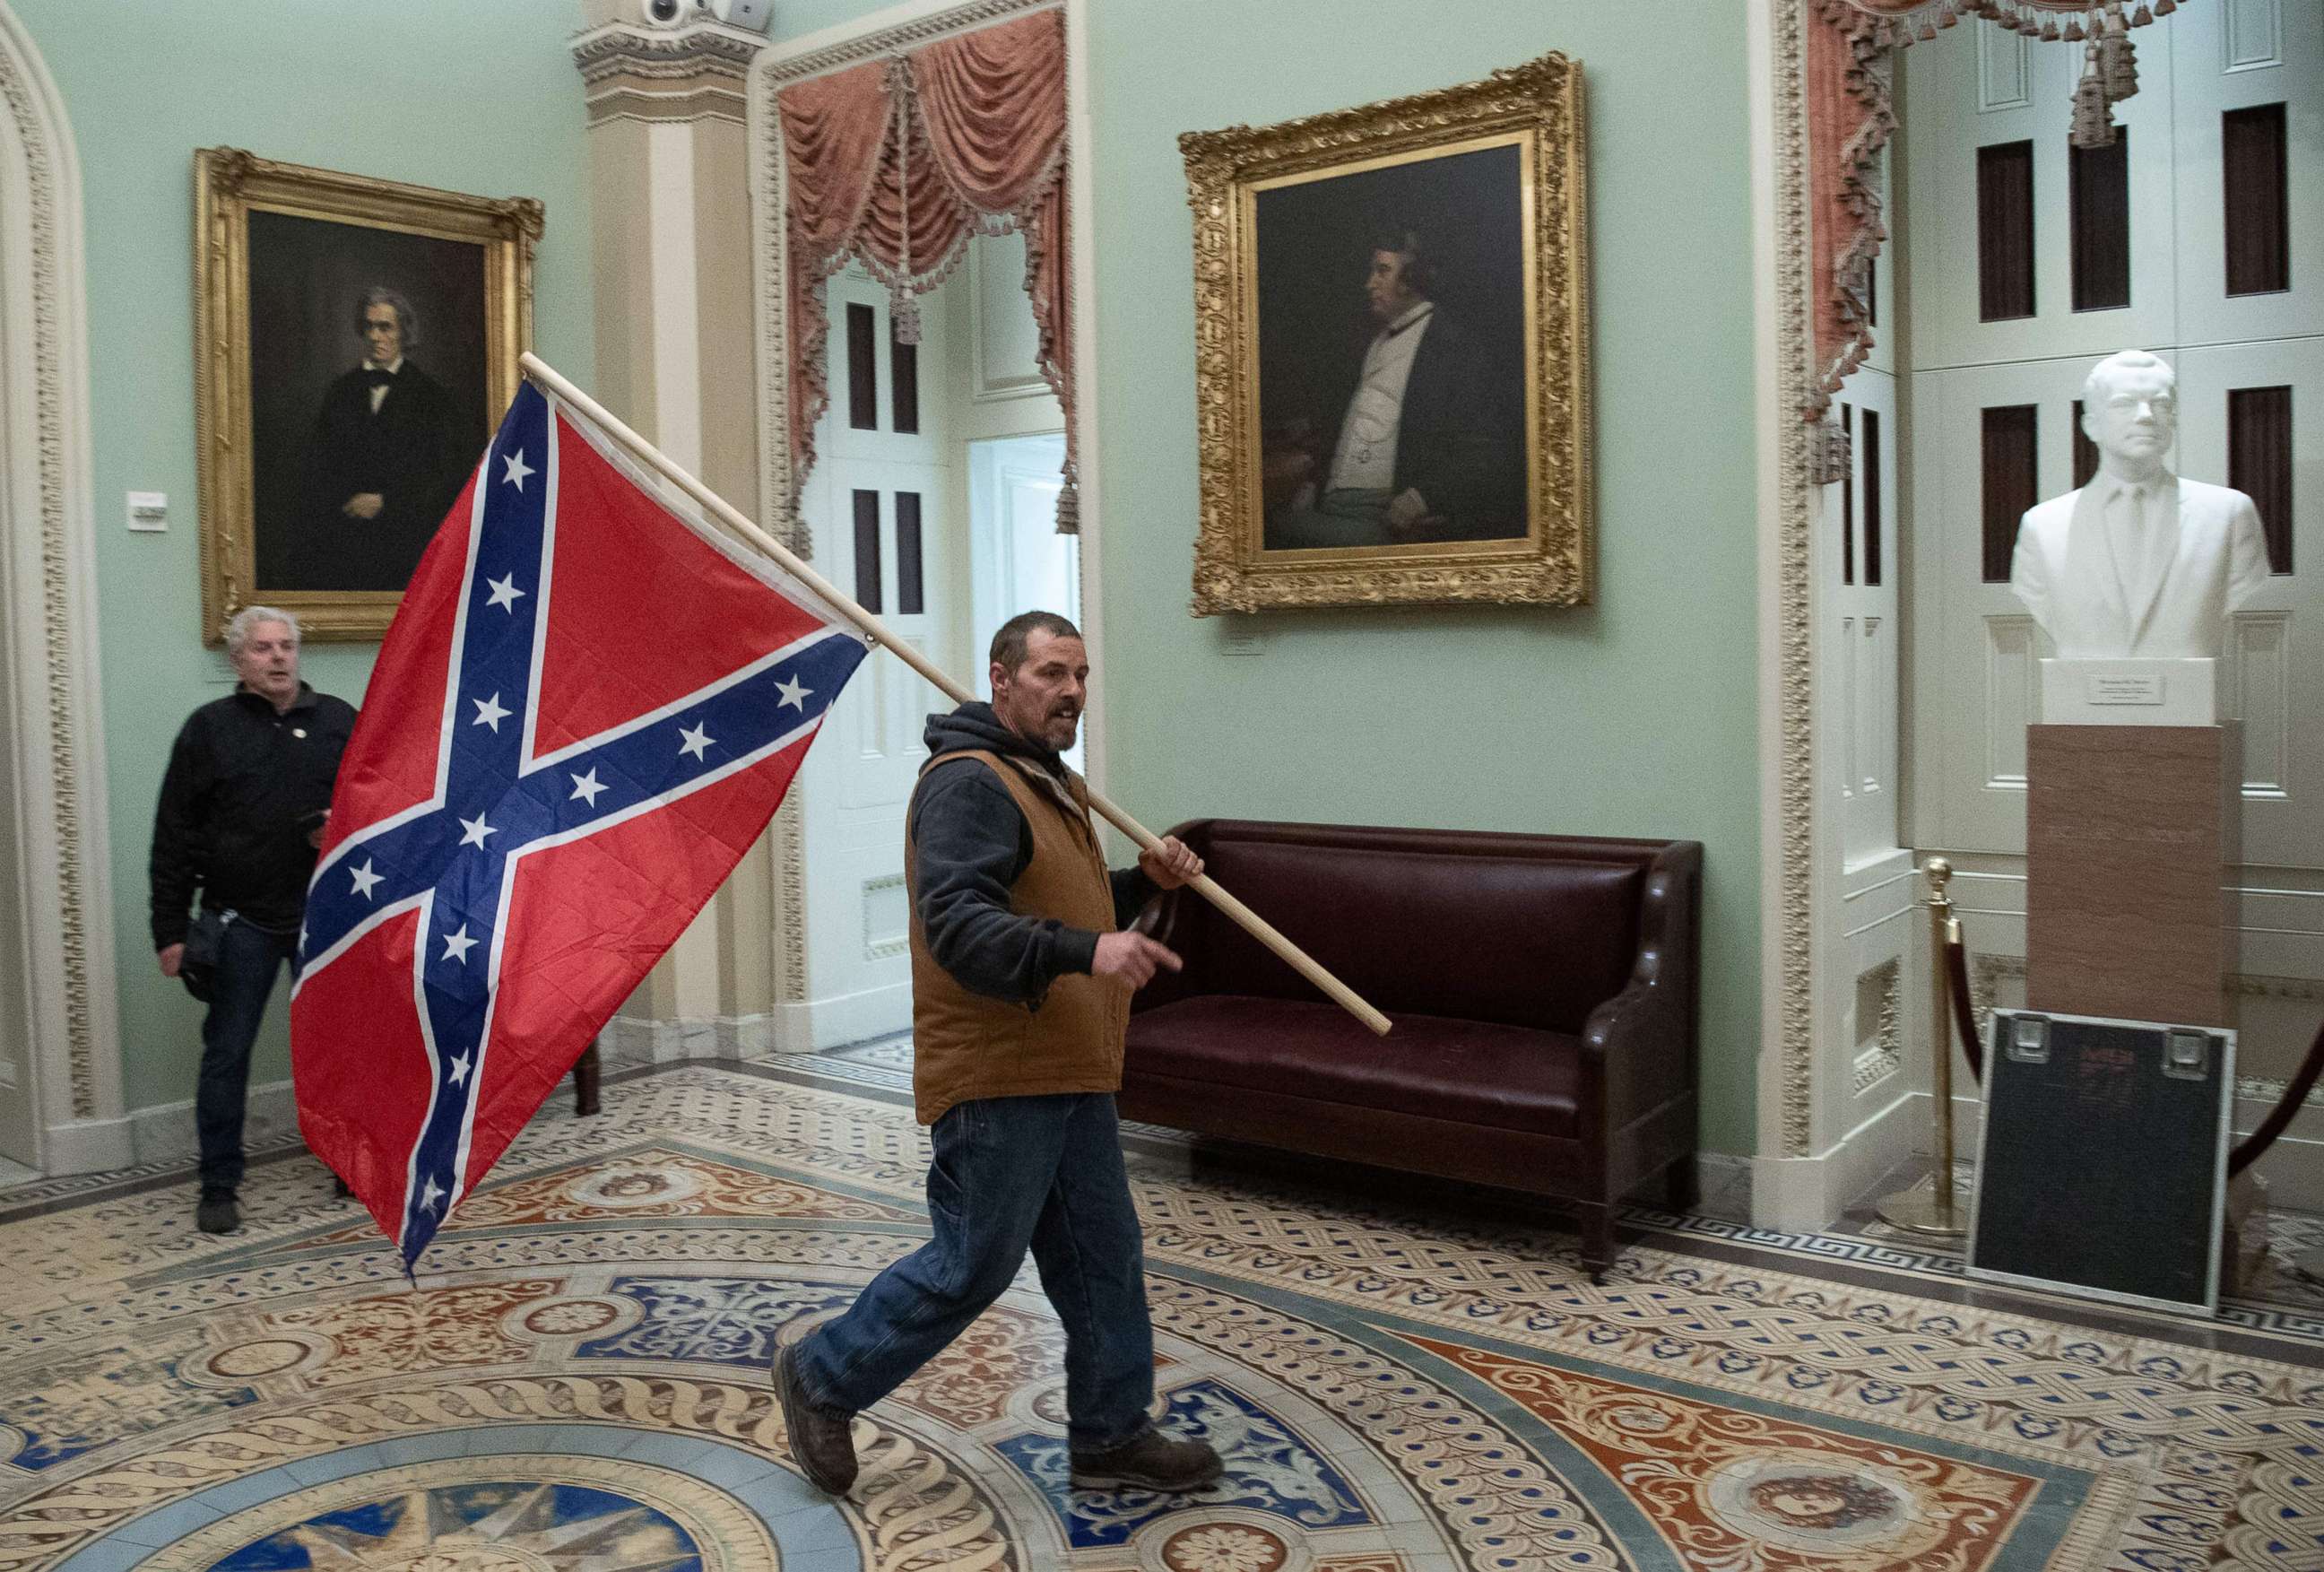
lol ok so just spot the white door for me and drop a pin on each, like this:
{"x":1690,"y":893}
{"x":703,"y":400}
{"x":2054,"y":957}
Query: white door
{"x":880,"y":502}
{"x":1018,"y":560}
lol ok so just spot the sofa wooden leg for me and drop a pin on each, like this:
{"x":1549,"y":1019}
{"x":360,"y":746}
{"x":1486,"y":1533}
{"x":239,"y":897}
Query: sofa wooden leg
{"x":1681,"y":1186}
{"x":1597,"y":1239}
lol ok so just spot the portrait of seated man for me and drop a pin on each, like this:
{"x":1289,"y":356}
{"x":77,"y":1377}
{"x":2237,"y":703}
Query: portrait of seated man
{"x":387,"y":455}
{"x":1412,"y":438}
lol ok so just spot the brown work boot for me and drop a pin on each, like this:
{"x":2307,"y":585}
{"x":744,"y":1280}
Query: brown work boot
{"x":820,"y":1443}
{"x":1149,"y":1460}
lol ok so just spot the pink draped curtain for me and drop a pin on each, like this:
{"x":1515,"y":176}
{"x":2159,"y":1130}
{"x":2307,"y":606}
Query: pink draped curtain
{"x":896,"y":164}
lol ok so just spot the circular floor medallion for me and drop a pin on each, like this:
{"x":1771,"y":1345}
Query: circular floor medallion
{"x":1816,"y":1503}
{"x":261,"y":1358}
{"x":516,"y":1513}
{"x":623,"y":1188}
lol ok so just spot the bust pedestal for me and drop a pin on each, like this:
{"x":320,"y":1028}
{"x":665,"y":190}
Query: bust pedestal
{"x":2130,"y":691}
{"x":2128,"y":830}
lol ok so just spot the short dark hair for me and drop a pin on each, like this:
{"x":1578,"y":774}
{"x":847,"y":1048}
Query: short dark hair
{"x":405,"y":317}
{"x":1009,"y":645}
{"x":1419,"y":266}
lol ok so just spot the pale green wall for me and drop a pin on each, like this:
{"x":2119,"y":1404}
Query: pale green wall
{"x":477,"y":95}
{"x":1635,"y":717}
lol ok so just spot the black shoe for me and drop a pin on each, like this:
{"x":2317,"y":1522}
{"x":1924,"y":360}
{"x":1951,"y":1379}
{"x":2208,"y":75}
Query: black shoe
{"x":820,"y":1443}
{"x":218,"y":1214}
{"x":1149,"y":1460}
{"x":340,"y":1188}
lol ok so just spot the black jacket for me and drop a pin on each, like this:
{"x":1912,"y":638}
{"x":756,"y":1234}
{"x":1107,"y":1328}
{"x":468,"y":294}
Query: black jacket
{"x":236,"y":804}
{"x":970,"y":844}
{"x":412,"y":452}
{"x":1457,"y":442}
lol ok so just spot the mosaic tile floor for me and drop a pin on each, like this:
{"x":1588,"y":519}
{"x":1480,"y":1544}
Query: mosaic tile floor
{"x":577,"y":1384}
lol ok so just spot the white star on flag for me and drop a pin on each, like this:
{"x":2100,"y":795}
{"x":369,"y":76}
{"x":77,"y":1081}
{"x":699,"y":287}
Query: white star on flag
{"x":456,"y":945}
{"x":516,"y":471}
{"x":794,"y":693}
{"x":490,"y":713}
{"x":365,"y":879}
{"x":506,"y":594}
{"x":473,"y":831}
{"x":697,"y":740}
{"x":586,"y":787}
{"x":460,"y":1065}
{"x":431,"y":1194}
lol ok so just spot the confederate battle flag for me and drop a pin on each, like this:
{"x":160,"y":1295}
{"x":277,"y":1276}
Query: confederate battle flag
{"x":587,"y":710}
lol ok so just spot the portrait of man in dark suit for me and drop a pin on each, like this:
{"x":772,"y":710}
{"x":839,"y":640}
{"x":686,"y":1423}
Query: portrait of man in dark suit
{"x":369,"y":357}
{"x":1391,"y":377}
{"x":387,"y":457}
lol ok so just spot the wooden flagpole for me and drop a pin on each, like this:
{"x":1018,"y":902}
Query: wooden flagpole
{"x":1257,"y":926}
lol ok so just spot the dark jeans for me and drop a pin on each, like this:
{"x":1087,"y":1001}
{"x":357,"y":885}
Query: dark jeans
{"x":1010,"y":1173}
{"x":248,"y":959}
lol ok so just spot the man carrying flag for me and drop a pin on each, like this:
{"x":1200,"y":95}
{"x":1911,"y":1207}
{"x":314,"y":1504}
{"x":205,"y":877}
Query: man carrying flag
{"x":588,"y":707}
{"x":1021,"y":980}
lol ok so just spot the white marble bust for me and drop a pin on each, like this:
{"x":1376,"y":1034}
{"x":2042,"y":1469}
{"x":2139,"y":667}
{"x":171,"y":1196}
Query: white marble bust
{"x":2139,"y":562}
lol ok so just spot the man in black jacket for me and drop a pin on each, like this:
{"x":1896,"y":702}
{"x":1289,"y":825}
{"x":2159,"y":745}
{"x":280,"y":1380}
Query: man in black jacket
{"x":386,"y":459}
{"x":241,"y":812}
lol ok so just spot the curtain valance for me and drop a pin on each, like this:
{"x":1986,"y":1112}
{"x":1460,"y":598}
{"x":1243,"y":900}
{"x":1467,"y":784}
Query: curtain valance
{"x":896,"y":163}
{"x":1851,"y":111}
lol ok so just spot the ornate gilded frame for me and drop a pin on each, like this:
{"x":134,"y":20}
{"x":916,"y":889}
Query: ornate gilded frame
{"x":228,"y":184}
{"x":1538,"y":106}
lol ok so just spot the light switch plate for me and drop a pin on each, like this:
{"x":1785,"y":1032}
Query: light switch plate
{"x":149,"y":511}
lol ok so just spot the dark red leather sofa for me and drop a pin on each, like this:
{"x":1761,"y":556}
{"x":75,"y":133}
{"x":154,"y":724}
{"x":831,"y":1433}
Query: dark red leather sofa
{"x":1543,"y":990}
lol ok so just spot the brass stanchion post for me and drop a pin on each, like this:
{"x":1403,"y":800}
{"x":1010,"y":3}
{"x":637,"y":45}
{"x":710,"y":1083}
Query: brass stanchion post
{"x":1937,"y":1211}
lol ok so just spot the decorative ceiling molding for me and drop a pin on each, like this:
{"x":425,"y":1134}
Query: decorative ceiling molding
{"x":620,"y":48}
{"x":897,"y":39}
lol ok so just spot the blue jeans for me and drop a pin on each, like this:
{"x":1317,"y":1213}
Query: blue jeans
{"x":248,"y":959}
{"x":1010,"y":1173}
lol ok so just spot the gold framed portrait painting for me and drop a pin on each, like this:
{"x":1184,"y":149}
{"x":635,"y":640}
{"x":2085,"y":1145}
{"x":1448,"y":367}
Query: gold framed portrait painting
{"x":1391,"y":356}
{"x":356,"y":339}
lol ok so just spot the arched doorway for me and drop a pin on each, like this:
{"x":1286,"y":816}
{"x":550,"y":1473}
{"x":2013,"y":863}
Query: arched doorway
{"x":59,"y":1060}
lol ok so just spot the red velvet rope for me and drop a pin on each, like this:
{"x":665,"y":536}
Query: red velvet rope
{"x":2247,"y":1152}
{"x":2280,"y":1117}
{"x":1964,"y":1008}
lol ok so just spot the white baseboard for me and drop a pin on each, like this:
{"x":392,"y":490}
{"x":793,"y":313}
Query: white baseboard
{"x":88,"y":1146}
{"x":165,"y":1134}
{"x":817,"y":1025}
{"x":1799,"y":1195}
{"x":812,"y":1026}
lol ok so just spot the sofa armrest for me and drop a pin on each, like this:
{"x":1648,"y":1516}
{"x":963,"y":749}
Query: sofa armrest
{"x":1640,"y":1046}
{"x":1175,"y":918}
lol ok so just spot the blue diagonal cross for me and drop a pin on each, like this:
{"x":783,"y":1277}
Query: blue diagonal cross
{"x":453,"y":858}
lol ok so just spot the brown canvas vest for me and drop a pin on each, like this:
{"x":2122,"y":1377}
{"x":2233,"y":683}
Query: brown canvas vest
{"x":967,"y":1045}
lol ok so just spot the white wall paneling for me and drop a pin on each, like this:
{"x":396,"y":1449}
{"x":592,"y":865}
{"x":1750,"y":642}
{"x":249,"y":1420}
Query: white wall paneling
{"x":2235,"y":54}
{"x":1972,"y":648}
{"x":1957,"y":102}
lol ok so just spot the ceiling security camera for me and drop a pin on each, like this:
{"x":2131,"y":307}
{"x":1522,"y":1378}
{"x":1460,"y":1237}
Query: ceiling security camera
{"x":663,"y":12}
{"x":753,"y":15}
